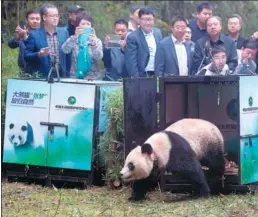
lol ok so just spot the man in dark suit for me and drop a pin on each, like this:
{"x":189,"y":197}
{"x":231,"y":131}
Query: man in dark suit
{"x":173,"y":56}
{"x":234,"y":28}
{"x":202,"y":52}
{"x":141,"y":46}
{"x":197,"y":25}
{"x":43,"y":46}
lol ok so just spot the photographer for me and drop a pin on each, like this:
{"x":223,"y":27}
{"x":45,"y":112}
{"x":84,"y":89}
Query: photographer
{"x":113,"y":57}
{"x":91,"y":48}
{"x":21,"y":33}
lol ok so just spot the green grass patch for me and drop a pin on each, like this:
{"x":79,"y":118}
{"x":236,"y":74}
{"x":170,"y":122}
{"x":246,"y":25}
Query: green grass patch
{"x":19,"y":199}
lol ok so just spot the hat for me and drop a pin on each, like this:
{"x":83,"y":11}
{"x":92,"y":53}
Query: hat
{"x":75,"y":9}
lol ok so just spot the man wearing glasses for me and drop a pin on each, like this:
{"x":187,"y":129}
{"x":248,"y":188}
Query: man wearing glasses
{"x":174,"y":54}
{"x":43,"y":46}
{"x":141,"y":46}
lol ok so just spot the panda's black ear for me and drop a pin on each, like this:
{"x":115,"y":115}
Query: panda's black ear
{"x":146,"y":149}
{"x":11,"y":126}
{"x":23,"y":128}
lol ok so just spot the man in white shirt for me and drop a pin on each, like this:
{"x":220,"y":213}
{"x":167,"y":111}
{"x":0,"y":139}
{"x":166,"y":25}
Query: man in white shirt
{"x":141,"y":46}
{"x":173,"y":56}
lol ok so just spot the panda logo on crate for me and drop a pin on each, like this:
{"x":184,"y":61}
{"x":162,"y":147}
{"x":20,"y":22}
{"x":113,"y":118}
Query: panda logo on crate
{"x":21,"y":135}
{"x":183,"y":148}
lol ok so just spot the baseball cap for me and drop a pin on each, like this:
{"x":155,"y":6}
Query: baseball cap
{"x":75,"y":9}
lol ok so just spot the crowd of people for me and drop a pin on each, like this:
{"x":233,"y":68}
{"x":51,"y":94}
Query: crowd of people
{"x":195,"y":47}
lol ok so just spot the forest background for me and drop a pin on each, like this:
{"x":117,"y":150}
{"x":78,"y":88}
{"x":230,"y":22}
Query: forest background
{"x":104,"y":13}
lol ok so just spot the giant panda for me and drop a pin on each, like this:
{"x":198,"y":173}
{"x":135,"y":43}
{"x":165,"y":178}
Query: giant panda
{"x":20,"y":135}
{"x":182,"y":148}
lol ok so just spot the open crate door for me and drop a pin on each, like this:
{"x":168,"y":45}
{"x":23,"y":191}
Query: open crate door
{"x":140,"y":110}
{"x":248,"y":96}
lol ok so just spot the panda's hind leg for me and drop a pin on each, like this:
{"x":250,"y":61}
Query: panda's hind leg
{"x":195,"y":174}
{"x":190,"y":169}
{"x":215,"y":162}
{"x":183,"y":161}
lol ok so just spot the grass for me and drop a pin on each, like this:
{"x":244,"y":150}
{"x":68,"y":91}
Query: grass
{"x":19,"y":199}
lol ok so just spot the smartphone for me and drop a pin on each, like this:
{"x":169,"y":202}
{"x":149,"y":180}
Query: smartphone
{"x":114,"y":41}
{"x":46,"y":48}
{"x":88,"y":30}
{"x":22,"y":24}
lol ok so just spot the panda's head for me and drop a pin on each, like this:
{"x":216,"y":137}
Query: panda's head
{"x":139,"y":163}
{"x":18,"y":133}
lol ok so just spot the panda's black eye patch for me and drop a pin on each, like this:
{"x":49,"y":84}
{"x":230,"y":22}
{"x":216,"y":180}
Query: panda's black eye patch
{"x":20,"y":138}
{"x":11,"y":126}
{"x":131,"y":166}
{"x":12,"y":137}
{"x":23,"y":128}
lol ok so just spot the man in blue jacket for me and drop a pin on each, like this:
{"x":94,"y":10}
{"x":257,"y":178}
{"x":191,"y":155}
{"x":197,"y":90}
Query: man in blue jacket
{"x":21,"y":33}
{"x":43,"y":46}
{"x":113,"y":57}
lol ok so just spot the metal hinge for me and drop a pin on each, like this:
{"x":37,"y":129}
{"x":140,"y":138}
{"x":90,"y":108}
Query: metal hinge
{"x":158,"y":97}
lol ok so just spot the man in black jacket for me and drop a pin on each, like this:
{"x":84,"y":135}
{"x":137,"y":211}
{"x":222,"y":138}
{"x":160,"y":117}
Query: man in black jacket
{"x":234,"y":28}
{"x":202,"y":56}
{"x":72,"y":13}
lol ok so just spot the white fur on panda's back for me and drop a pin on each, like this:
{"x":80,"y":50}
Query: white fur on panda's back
{"x":198,"y":131}
{"x":161,"y":146}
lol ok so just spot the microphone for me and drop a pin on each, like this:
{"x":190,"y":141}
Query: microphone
{"x":207,"y":52}
{"x":247,"y":69}
{"x":207,"y":48}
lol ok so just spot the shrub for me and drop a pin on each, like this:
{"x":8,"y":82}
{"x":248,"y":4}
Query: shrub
{"x":112,"y":142}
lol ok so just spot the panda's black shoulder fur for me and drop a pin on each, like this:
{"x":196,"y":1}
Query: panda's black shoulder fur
{"x":179,"y":144}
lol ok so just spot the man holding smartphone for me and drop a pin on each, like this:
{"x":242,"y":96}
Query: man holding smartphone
{"x":22,"y":30}
{"x":43,"y":46}
{"x":113,"y":57}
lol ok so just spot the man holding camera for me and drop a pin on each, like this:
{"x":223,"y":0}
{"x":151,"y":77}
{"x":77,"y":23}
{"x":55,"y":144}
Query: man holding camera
{"x":32,"y":22}
{"x":113,"y":53}
{"x":43,"y":46}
